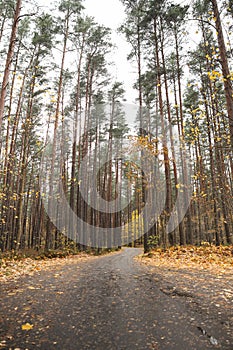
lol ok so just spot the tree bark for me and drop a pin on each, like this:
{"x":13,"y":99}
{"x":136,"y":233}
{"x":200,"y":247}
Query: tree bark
{"x":225,"y":69}
{"x":9,"y":58}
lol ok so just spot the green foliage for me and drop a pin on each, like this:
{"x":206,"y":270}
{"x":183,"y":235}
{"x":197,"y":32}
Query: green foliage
{"x":44,"y":33}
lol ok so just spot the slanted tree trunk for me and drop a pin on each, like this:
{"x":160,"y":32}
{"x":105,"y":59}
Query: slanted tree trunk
{"x":8,"y":63}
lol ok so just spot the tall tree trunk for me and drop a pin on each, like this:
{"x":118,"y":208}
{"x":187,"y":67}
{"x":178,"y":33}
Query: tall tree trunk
{"x":8,"y":63}
{"x":168,"y":203}
{"x":49,"y":235}
{"x":225,"y":69}
{"x":189,"y":235}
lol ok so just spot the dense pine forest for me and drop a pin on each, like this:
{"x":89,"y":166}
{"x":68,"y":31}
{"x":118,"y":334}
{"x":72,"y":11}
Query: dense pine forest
{"x":74,"y":171}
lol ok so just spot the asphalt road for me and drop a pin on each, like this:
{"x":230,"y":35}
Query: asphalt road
{"x":111,"y":302}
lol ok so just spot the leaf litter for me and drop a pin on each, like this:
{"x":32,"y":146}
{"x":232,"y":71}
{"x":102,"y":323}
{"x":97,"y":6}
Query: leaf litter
{"x":13,"y":269}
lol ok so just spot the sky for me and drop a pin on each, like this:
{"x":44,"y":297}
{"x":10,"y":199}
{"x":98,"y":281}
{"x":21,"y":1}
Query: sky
{"x":111,"y":14}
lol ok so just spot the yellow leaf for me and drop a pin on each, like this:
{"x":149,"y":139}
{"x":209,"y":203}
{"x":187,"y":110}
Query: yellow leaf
{"x":27,"y":327}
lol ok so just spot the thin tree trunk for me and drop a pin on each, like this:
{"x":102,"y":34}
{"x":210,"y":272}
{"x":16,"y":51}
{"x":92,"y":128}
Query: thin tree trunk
{"x":168,"y":203}
{"x":49,"y":236}
{"x":8,"y":63}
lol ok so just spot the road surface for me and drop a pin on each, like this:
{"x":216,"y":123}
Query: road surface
{"x":111,"y":302}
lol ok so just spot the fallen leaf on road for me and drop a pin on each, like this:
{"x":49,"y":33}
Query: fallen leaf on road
{"x":27,"y":327}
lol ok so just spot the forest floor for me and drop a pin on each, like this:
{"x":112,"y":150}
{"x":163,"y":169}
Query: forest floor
{"x":174,"y":300}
